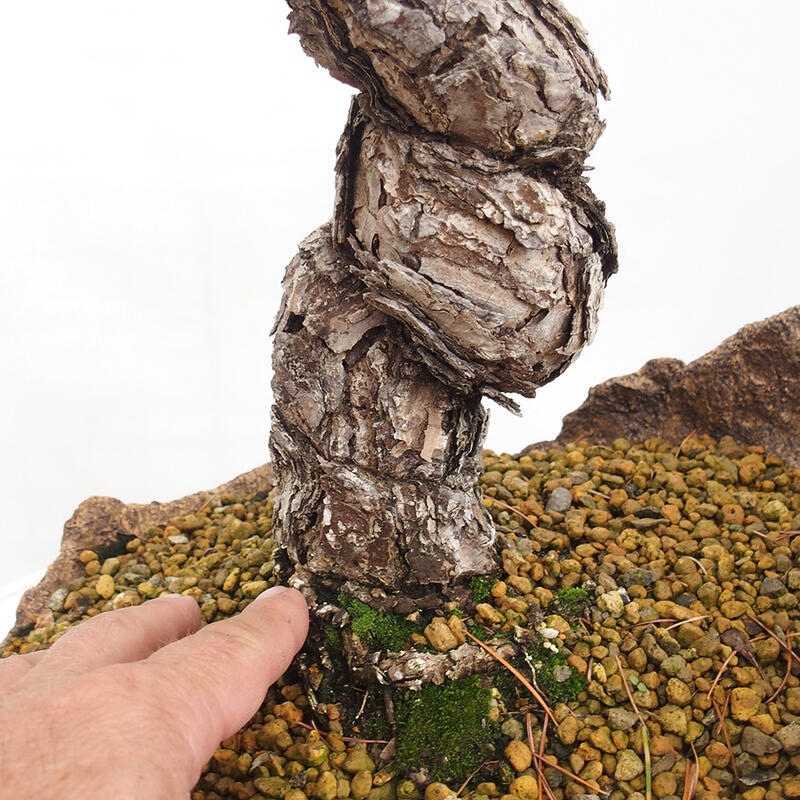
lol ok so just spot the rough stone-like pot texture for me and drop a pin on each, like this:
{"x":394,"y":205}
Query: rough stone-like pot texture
{"x":105,"y":524}
{"x":748,"y":388}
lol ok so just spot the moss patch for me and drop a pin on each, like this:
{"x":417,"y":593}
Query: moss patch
{"x":560,"y":682}
{"x":379,"y":629}
{"x":481,"y":586}
{"x":446,"y":728}
{"x":571,"y":601}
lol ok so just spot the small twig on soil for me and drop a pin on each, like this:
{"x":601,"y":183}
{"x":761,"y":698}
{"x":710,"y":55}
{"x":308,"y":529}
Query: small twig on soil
{"x":648,"y":765}
{"x":685,"y":439}
{"x":546,"y":762}
{"x":684,"y":621}
{"x":720,"y":712}
{"x":788,"y":672}
{"x":775,"y":636}
{"x":363,"y":704}
{"x":648,"y":770}
{"x":515,"y":672}
{"x":675,"y":622}
{"x":472,"y":775}
{"x":690,"y":780}
{"x":345,"y":738}
{"x":628,"y":689}
{"x":513,"y":510}
{"x":721,"y":671}
{"x":541,"y":783}
{"x":699,"y":564}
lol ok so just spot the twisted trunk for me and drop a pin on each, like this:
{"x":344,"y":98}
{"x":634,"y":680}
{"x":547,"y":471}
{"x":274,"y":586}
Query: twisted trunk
{"x":466,"y":257}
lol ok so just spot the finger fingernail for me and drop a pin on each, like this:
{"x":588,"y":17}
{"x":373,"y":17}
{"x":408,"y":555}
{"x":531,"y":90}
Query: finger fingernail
{"x":273,"y":591}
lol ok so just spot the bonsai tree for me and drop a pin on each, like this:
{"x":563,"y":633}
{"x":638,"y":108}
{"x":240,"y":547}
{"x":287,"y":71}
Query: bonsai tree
{"x":466,"y":258}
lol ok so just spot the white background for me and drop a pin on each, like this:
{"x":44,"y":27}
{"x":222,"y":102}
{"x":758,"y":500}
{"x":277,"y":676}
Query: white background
{"x":160,"y":160}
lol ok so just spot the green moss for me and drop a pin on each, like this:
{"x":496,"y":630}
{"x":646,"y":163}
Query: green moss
{"x":560,"y":682}
{"x":478,"y":631}
{"x":571,"y":601}
{"x":333,"y":638}
{"x":480,"y":586}
{"x":445,"y":728}
{"x":378,"y":629}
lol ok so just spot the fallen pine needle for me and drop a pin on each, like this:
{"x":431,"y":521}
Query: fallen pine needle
{"x":689,"y":780}
{"x":513,"y":510}
{"x":516,"y":673}
{"x":546,"y":762}
{"x":777,"y":638}
{"x":472,"y":775}
{"x":721,"y":717}
{"x":648,"y":768}
{"x":685,"y":440}
{"x":720,"y":672}
{"x":355,"y":739}
{"x":542,"y":785}
{"x":788,"y":669}
{"x":648,"y":765}
{"x":684,"y":621}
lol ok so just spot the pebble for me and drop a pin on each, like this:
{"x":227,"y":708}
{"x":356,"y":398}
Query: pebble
{"x":789,"y":737}
{"x":718,"y":754}
{"x":272,"y":786}
{"x":288,"y":711}
{"x":438,"y":791}
{"x":673,"y":720}
{"x":677,"y":692}
{"x":519,"y":755}
{"x":758,"y":743}
{"x":105,"y":586}
{"x":525,"y":787}
{"x":629,"y":766}
{"x":567,"y":730}
{"x":745,"y":703}
{"x":665,"y":784}
{"x":512,"y":728}
{"x":110,"y":566}
{"x":439,"y":634}
{"x":674,"y":665}
{"x":560,"y":500}
{"x":621,"y":719}
{"x":602,"y":740}
{"x":612,"y":603}
{"x":733,"y":609}
{"x":326,"y":786}
{"x":671,"y":546}
{"x":489,"y":614}
{"x":358,"y":760}
{"x":772,"y":587}
{"x":791,"y":698}
{"x":360,"y":784}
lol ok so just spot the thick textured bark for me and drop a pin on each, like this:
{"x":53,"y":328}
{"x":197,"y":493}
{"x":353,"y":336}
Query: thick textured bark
{"x":378,"y":462}
{"x":467,"y":257}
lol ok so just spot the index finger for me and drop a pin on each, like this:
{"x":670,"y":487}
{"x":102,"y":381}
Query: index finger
{"x":224,"y":670}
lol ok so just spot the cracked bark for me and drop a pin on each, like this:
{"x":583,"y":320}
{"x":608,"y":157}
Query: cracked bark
{"x":466,"y":258}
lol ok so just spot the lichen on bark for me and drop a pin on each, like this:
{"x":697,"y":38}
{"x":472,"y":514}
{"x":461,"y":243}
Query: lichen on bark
{"x":466,"y":258}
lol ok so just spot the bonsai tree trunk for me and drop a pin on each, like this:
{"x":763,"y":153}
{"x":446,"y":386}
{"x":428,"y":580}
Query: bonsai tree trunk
{"x":466,"y":257}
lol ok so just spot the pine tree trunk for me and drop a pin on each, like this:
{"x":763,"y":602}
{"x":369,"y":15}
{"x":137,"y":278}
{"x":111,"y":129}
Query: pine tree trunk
{"x":466,"y":258}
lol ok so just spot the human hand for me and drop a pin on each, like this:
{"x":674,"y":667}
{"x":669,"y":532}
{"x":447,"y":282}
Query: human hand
{"x":132,"y":703}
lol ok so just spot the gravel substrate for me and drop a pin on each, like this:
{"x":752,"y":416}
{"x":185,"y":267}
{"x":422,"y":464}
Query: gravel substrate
{"x":648,"y":597}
